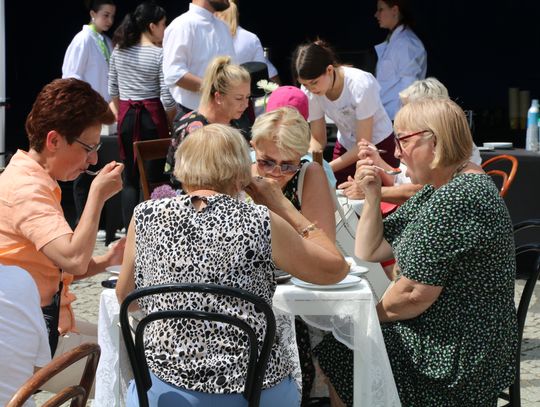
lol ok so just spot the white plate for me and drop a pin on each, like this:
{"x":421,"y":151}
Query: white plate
{"x":348,"y":281}
{"x":499,"y":145}
{"x":114,"y":269}
{"x":358,"y":270}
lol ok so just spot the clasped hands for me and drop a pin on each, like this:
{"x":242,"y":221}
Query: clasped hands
{"x":367,"y":179}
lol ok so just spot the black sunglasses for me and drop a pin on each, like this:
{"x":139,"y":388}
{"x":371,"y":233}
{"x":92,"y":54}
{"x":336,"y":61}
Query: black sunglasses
{"x":269,"y":165}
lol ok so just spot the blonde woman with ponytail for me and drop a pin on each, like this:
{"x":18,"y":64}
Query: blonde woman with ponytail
{"x":225,"y":94}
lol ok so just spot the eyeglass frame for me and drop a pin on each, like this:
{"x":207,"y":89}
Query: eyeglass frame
{"x":261,"y":163}
{"x":405,"y":137}
{"x":88,"y":148}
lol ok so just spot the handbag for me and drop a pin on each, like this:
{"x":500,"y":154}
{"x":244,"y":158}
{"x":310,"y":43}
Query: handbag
{"x":51,"y":313}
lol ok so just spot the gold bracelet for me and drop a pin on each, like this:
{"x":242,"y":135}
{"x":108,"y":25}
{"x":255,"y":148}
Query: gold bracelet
{"x":309,"y":228}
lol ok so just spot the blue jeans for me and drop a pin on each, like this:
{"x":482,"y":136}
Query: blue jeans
{"x":162,"y":394}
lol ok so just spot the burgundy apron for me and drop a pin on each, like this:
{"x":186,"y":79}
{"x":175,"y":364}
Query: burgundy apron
{"x":157,"y":113}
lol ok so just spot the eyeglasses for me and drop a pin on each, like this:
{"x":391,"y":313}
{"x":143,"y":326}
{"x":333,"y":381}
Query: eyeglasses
{"x":269,"y":165}
{"x":88,"y":148}
{"x":405,"y":137}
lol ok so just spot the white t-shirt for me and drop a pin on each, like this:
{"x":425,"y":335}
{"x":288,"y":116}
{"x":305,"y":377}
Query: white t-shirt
{"x":24,"y":342}
{"x":85,"y":61}
{"x":359,"y":100}
{"x":248,"y":48}
{"x":191,"y":41}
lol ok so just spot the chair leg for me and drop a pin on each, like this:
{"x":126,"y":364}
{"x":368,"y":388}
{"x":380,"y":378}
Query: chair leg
{"x":515,"y":392}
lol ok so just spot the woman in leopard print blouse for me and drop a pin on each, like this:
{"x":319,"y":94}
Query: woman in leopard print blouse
{"x":208,"y":236}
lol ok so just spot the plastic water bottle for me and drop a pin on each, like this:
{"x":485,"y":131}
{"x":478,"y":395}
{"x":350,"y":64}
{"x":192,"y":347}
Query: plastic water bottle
{"x":531,"y":143}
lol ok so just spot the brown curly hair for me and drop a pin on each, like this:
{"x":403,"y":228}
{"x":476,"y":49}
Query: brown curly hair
{"x":68,"y":106}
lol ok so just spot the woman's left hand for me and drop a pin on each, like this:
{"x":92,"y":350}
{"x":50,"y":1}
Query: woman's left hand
{"x":368,"y":180}
{"x":115,"y":253}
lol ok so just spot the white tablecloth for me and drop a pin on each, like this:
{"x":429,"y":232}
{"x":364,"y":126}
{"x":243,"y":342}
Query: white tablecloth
{"x":348,"y":313}
{"x":111,"y":386}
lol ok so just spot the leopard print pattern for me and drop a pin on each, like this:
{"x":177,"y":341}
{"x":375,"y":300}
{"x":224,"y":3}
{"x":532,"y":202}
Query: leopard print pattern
{"x":226,"y":243}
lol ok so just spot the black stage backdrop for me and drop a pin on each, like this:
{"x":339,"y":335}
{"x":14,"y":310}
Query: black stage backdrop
{"x":477,"y":49}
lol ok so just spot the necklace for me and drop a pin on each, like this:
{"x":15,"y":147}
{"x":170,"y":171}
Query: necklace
{"x":331,"y":94}
{"x":460,"y":168}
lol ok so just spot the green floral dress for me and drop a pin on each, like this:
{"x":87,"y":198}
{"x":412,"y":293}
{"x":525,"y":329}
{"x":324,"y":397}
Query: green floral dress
{"x":461,"y":351}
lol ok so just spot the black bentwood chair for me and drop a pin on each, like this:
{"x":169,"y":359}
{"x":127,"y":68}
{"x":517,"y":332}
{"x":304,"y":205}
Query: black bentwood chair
{"x":528,"y":269}
{"x":257,"y":361}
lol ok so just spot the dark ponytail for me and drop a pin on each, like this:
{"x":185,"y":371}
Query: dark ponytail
{"x":137,"y":22}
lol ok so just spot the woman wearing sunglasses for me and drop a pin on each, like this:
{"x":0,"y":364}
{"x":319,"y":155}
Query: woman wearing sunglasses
{"x":280,"y":138}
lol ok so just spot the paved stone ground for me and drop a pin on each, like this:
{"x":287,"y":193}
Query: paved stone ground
{"x":87,"y":307}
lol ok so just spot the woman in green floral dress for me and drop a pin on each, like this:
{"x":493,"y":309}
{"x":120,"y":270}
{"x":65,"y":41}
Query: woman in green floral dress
{"x":449,"y":321}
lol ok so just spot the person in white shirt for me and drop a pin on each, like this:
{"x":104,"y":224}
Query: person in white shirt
{"x":191,"y":41}
{"x":87,"y":57}
{"x":23,"y":337}
{"x":402,"y":58}
{"x":247,"y":45}
{"x":348,"y":96}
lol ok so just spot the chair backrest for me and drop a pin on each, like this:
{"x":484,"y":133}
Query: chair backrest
{"x":148,"y":150}
{"x":507,"y":178}
{"x":317,"y":157}
{"x":528,"y":269}
{"x":257,"y":361}
{"x":78,"y":393}
{"x":346,"y":223}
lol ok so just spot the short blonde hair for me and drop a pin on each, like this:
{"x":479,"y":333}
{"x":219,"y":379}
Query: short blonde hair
{"x":284,"y":126}
{"x":429,"y":87}
{"x":447,"y":121}
{"x":215,"y":156}
{"x":220,"y":76}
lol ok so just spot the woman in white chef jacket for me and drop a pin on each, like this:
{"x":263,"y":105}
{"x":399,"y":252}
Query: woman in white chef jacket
{"x":87,"y":57}
{"x":402,"y":58}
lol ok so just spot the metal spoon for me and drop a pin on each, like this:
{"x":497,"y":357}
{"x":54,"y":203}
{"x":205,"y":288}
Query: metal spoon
{"x":89,"y":172}
{"x":394,"y":171}
{"x":376,"y":149}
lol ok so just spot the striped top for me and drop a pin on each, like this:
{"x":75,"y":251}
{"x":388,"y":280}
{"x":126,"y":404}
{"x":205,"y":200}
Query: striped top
{"x":135,"y":73}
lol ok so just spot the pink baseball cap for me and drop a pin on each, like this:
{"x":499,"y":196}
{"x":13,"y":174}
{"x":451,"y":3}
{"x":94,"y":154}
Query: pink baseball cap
{"x":289,"y":96}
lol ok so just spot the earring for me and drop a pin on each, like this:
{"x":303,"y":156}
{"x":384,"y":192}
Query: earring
{"x":93,"y":20}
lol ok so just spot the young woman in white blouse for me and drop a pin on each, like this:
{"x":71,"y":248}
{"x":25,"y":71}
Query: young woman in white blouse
{"x":402,"y":58}
{"x":87,"y":57}
{"x":247,"y":45}
{"x":348,"y":96}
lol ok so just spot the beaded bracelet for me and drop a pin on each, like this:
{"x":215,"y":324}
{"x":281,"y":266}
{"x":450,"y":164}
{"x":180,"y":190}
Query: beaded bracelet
{"x":309,"y":228}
